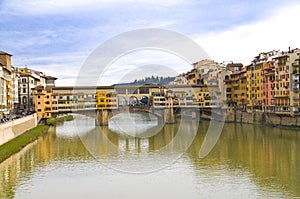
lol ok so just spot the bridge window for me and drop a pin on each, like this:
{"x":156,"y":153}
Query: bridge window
{"x":132,"y":91}
{"x":144,"y":90}
{"x":121,"y":91}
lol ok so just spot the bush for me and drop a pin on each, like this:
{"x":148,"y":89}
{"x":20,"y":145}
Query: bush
{"x":54,"y":121}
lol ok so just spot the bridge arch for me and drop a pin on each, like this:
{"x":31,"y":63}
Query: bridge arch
{"x":122,"y":101}
{"x":144,"y":100}
{"x":133,"y":101}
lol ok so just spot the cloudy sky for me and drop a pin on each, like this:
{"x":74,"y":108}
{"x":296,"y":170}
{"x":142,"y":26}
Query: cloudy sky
{"x":57,"y":36}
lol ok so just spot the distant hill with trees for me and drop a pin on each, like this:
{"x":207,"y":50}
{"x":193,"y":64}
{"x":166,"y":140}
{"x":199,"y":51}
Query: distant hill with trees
{"x":148,"y":81}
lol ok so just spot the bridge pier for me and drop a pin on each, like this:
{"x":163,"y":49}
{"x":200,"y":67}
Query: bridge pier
{"x":169,"y":115}
{"x":102,"y":117}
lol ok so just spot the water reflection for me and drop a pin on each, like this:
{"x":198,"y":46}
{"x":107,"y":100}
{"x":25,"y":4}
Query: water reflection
{"x":269,"y":155}
{"x":248,"y":161}
{"x":140,"y":125}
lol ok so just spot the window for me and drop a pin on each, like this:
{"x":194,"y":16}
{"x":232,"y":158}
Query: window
{"x":39,"y":110}
{"x":24,"y":80}
{"x":24,"y":90}
{"x":144,"y":91}
{"x":39,"y":97}
{"x":24,"y":100}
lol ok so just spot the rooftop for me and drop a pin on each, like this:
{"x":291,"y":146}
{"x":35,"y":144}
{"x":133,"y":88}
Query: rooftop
{"x":4,"y":53}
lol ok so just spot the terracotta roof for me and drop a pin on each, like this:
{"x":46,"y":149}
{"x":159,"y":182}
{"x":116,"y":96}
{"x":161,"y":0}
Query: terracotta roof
{"x":38,"y":87}
{"x":280,"y":56}
{"x":4,"y":53}
{"x":235,"y":65}
{"x":50,"y":77}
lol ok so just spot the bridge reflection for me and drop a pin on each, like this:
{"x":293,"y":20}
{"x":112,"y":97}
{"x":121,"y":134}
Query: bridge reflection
{"x":269,"y":156}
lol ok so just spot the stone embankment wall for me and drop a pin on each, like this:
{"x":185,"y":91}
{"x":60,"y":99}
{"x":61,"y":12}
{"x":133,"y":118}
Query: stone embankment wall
{"x":10,"y":130}
{"x":262,"y":118}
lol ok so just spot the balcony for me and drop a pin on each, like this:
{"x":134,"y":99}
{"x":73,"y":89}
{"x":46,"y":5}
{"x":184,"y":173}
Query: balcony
{"x":234,"y":79}
{"x":296,"y":89}
{"x":282,"y":96}
{"x":281,"y":63}
{"x":297,"y":72}
{"x":296,"y":97}
{"x":295,"y":65}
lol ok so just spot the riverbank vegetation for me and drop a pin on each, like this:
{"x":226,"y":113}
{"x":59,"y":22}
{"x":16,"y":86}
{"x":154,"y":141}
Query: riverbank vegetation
{"x":15,"y":145}
{"x":54,"y":121}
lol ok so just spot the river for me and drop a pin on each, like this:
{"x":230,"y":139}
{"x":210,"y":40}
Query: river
{"x":78,"y":160}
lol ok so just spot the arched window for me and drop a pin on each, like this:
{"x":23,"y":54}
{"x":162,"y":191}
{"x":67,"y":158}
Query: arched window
{"x":24,"y":100}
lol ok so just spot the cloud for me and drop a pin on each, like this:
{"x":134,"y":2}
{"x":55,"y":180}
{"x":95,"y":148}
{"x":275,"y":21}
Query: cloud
{"x":144,"y":63}
{"x":46,"y":7}
{"x":56,"y":36}
{"x":242,"y":43}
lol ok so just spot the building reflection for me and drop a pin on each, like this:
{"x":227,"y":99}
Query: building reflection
{"x":269,"y":155}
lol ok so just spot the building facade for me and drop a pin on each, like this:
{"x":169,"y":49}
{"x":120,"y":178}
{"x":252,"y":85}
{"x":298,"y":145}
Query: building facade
{"x":5,"y":84}
{"x":29,"y":79}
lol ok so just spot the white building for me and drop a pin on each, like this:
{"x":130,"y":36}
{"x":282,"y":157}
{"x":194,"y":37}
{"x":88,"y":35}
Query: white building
{"x":29,"y":79}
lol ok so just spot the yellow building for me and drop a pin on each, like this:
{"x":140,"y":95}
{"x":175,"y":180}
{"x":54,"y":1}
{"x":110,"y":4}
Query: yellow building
{"x":282,"y":88}
{"x":254,"y":83}
{"x":43,"y":101}
{"x":193,"y":77}
{"x":203,"y":97}
{"x":46,"y":103}
{"x":106,"y":100}
{"x":236,"y":86}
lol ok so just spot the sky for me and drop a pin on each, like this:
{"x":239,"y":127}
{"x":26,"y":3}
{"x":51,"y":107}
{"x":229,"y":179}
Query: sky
{"x":57,"y":36}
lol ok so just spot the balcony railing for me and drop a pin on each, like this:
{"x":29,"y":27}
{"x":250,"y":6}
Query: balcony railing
{"x":281,"y":64}
{"x":296,"y":98}
{"x":297,"y":72}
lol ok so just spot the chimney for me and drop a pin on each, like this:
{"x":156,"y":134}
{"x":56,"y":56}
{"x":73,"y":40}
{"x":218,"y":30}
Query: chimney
{"x":289,"y":49}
